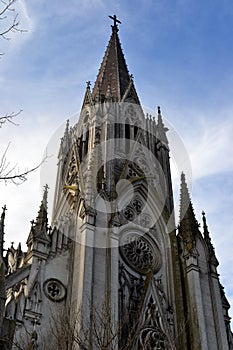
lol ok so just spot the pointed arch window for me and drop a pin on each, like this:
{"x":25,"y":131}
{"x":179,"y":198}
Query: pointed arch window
{"x":85,"y":141}
{"x":80,"y":143}
{"x":127,"y":131}
{"x":117,"y":127}
{"x":127,"y":136}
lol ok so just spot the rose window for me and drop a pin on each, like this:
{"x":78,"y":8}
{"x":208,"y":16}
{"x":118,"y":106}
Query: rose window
{"x":54,"y":290}
{"x":140,"y":254}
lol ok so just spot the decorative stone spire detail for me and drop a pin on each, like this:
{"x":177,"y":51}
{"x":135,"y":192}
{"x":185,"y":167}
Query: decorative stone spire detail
{"x":39,"y":227}
{"x":161,"y":130}
{"x":208,"y":241}
{"x":66,"y":133}
{"x":109,"y":93}
{"x":33,"y":341}
{"x":189,"y":226}
{"x":114,"y":72}
{"x":42,"y":217}
{"x":2,"y":225}
{"x":2,"y":267}
{"x":206,"y":230}
{"x":87,"y":98}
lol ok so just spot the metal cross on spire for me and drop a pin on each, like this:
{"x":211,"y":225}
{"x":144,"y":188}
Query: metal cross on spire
{"x":115,"y":20}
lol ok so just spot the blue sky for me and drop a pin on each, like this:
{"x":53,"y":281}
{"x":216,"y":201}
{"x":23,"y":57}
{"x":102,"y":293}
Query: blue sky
{"x":180,"y":53}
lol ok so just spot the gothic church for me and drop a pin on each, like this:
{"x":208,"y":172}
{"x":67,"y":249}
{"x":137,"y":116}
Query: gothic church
{"x":113,"y":270}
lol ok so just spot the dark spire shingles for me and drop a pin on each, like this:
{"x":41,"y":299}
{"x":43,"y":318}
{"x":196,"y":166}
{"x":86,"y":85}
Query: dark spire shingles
{"x":113,"y":73}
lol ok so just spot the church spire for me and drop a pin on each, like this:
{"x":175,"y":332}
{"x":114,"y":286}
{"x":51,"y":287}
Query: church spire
{"x":42,"y":217}
{"x":113,"y":73}
{"x":2,"y":225}
{"x":208,"y":240}
{"x":186,"y":206}
{"x":189,"y":226}
{"x":39,"y":232}
{"x":39,"y":227}
{"x":161,"y":130}
{"x":87,"y":96}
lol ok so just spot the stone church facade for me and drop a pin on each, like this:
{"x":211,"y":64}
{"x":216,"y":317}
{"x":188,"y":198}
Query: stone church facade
{"x":113,"y":271}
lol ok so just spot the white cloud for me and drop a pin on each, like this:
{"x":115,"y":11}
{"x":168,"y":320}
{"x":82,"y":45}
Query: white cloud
{"x":26,"y":24}
{"x":24,"y":15}
{"x":203,"y":139}
{"x":59,"y":10}
{"x":211,"y":152}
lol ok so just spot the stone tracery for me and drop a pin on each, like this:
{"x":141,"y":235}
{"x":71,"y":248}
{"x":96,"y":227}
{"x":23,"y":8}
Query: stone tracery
{"x":140,"y":254}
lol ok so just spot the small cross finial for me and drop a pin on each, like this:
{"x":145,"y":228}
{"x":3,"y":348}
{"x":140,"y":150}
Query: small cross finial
{"x":88,"y":83}
{"x":115,"y":20}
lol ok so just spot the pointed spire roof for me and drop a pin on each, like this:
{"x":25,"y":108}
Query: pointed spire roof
{"x":186,"y":206}
{"x":42,"y":217}
{"x":2,"y":225}
{"x":208,"y":240}
{"x":113,"y":73}
{"x":189,"y":226}
{"x":161,"y":129}
{"x":39,"y":227}
{"x":205,"y":229}
{"x":87,"y":97}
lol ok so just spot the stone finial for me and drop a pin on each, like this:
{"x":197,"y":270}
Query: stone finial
{"x":67,"y":128}
{"x":45,"y":195}
{"x":109,"y":92}
{"x":3,"y":212}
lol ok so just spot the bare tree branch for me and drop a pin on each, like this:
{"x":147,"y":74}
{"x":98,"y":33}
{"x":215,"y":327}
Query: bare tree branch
{"x":6,"y":6}
{"x":11,"y":173}
{"x":13,"y":25}
{"x":9,"y":118}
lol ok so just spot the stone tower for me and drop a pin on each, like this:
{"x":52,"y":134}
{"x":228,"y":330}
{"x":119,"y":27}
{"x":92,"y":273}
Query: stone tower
{"x":113,"y":271}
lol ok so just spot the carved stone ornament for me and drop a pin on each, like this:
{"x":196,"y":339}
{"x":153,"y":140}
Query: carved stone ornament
{"x":151,"y":338}
{"x":129,"y":213}
{"x":142,"y":255}
{"x":137,"y":204}
{"x":54,"y":290}
{"x":145,"y":220}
